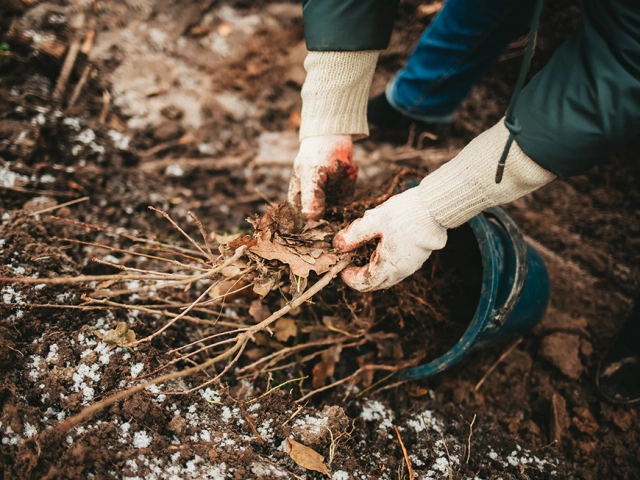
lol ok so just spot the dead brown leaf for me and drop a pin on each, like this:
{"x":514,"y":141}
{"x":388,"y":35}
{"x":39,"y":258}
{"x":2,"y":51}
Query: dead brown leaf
{"x":306,"y":457}
{"x":285,"y":219}
{"x":285,"y":329}
{"x":263,"y":285}
{"x":417,"y":391}
{"x":121,"y":336}
{"x":300,"y":266}
{"x":326,"y":367}
{"x":259,"y":311}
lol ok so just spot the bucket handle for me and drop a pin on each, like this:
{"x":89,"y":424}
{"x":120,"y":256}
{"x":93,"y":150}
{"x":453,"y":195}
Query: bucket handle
{"x":499,"y":315}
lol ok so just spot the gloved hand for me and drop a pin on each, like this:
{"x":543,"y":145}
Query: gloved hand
{"x":407,"y":233}
{"x":321,"y":161}
{"x":412,"y":224}
{"x":334,"y":111}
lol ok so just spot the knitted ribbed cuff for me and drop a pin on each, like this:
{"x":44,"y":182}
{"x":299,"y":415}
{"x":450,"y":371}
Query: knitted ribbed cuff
{"x":335,"y":93}
{"x":465,"y":186}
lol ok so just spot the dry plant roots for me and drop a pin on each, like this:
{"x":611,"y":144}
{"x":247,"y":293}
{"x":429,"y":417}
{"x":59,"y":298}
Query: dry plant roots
{"x":270,"y":267}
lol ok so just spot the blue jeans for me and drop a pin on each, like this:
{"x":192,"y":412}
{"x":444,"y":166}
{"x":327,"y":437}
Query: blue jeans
{"x":465,"y":38}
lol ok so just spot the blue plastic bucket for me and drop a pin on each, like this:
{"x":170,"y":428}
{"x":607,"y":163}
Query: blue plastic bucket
{"x":514,"y":293}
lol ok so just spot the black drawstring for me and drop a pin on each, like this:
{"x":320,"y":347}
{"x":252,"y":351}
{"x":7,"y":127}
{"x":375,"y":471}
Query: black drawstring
{"x":510,"y":121}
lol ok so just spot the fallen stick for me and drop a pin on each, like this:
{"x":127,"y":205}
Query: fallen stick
{"x":404,"y":452}
{"x":241,"y":342}
{"x":56,"y":207}
{"x":79,"y":86}
{"x":69,"y":62}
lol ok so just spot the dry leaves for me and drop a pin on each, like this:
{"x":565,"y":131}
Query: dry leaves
{"x":263,"y":285}
{"x":285,"y":329}
{"x":306,"y":457}
{"x":300,"y":262}
{"x":282,"y":234}
{"x":259,"y":311}
{"x":326,"y":367}
{"x":121,"y":336}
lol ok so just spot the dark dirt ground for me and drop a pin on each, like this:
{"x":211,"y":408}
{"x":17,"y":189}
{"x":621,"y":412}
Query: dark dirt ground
{"x":194,"y":106}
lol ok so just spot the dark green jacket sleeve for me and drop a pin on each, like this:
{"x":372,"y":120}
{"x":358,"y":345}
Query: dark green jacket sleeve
{"x":585,"y":103}
{"x":348,"y":25}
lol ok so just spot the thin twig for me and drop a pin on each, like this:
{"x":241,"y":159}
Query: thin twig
{"x":180,"y":251}
{"x":495,"y":365}
{"x":89,"y":278}
{"x":69,"y":62}
{"x":251,"y":424}
{"x":204,"y":235}
{"x":152,"y":311}
{"x":404,"y":452}
{"x":56,"y":207}
{"x":294,"y":415}
{"x":130,"y":252}
{"x":51,"y":305}
{"x":106,"y":101}
{"x":285,"y":352}
{"x":374,"y":385}
{"x":469,"y":439}
{"x":185,"y":234}
{"x":35,"y":191}
{"x":79,"y":86}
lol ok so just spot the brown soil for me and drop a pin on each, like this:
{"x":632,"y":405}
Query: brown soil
{"x":197,"y":95}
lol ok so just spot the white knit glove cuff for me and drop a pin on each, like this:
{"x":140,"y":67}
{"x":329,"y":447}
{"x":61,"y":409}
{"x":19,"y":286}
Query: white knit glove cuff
{"x":465,"y":186}
{"x":335,"y":93}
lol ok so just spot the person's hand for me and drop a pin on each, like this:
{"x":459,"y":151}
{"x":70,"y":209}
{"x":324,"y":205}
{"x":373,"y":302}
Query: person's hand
{"x":322,"y":161}
{"x":407,"y":235}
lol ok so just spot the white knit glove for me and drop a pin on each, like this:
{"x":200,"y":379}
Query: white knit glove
{"x":407,"y":233}
{"x":322,"y":161}
{"x":412,"y":224}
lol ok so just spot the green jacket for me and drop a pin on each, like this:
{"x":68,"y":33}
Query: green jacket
{"x":575,"y":112}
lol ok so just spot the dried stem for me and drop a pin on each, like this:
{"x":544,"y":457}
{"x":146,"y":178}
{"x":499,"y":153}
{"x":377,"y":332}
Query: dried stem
{"x":185,"y":234}
{"x":130,"y":252}
{"x":163,"y":313}
{"x":469,"y":439}
{"x":56,"y":207}
{"x":404,"y":452}
{"x":204,"y":235}
{"x":181,"y":251}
